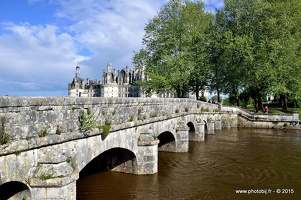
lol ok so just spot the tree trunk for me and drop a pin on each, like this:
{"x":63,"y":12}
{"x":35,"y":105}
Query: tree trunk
{"x":284,"y":101}
{"x":197,"y":89}
{"x":236,"y":99}
{"x":179,"y":92}
{"x":218,"y":93}
{"x":259,"y":97}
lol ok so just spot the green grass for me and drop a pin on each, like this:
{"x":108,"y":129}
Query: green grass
{"x":281,"y":111}
{"x":275,"y":111}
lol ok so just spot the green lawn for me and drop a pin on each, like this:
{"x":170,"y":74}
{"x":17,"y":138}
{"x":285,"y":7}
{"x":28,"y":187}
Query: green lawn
{"x":280,"y":111}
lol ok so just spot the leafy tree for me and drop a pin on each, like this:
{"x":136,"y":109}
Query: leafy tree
{"x":198,"y":22}
{"x":250,"y":46}
{"x":216,"y":54}
{"x":284,"y":19}
{"x":172,"y":47}
{"x":265,"y":38}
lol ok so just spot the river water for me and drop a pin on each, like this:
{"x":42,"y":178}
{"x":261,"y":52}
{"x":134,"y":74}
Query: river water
{"x":265,"y":163}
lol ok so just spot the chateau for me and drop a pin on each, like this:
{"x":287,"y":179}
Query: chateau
{"x":120,"y":84}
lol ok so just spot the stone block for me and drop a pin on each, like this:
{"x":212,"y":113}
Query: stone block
{"x":56,"y":170}
{"x":51,"y":155}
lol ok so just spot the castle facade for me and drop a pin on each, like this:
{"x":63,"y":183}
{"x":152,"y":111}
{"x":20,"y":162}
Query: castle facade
{"x":120,"y":84}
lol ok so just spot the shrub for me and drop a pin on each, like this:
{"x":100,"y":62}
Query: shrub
{"x":131,"y":119}
{"x":71,"y":161}
{"x":46,"y":176}
{"x":139,"y":111}
{"x":105,"y":129}
{"x":209,"y":119}
{"x":18,"y":152}
{"x":58,"y":130}
{"x":3,"y":136}
{"x":43,"y":133}
{"x":87,"y":121}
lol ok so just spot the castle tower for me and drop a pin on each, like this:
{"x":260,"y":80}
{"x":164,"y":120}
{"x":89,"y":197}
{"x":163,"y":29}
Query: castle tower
{"x":77,"y":73}
{"x":109,"y":73}
{"x":127,"y":75}
{"x":114,"y":76}
{"x":104,"y":76}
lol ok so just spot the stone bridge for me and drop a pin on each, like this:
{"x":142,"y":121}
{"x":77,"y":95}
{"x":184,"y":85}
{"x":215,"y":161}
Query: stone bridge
{"x":47,"y":144}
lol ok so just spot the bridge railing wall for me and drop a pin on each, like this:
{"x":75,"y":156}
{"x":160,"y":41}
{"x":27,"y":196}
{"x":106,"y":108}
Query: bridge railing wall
{"x":36,"y":121}
{"x":247,"y":119}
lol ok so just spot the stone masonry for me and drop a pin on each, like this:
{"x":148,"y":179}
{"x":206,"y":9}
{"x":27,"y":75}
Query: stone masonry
{"x":47,"y":147}
{"x":47,"y":143}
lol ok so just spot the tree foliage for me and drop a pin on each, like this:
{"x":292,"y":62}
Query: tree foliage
{"x":249,"y":45}
{"x":172,"y":46}
{"x":268,"y":33}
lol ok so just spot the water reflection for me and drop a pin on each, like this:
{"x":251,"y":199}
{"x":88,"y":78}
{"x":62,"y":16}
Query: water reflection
{"x":230,"y":160}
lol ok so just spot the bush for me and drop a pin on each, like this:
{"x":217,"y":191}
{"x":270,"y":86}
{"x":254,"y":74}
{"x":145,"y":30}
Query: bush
{"x":43,"y":133}
{"x":58,"y":130}
{"x":3,"y":136}
{"x":87,"y":121}
{"x":105,"y":129}
{"x":46,"y":176}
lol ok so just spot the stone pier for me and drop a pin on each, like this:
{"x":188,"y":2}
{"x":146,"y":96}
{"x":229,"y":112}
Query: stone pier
{"x":147,"y":155}
{"x":210,"y":128}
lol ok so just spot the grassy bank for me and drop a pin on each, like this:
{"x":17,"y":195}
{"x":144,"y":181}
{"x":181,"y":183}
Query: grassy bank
{"x":280,"y":111}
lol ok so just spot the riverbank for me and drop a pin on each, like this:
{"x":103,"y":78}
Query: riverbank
{"x":250,"y":119}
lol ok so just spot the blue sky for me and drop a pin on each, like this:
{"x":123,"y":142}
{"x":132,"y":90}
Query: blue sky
{"x":42,"y":41}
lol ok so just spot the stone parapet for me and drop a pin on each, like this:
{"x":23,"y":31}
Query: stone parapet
{"x":32,"y":122}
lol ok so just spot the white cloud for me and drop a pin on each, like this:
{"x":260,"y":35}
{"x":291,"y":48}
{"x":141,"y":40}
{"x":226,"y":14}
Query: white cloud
{"x":88,"y":33}
{"x":35,"y":58}
{"x":111,"y":30}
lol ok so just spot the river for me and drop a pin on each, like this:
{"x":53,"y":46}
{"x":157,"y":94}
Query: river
{"x":265,"y":163}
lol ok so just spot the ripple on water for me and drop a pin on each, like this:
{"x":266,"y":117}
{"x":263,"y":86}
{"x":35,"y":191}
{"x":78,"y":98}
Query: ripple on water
{"x":229,"y":160}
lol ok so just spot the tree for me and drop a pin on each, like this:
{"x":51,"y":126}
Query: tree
{"x":284,"y":19}
{"x":249,"y":45}
{"x":264,"y":35}
{"x":198,"y":22}
{"x":216,"y":55}
{"x":171,"y":39}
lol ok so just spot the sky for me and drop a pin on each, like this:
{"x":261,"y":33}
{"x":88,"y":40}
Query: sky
{"x":42,"y":41}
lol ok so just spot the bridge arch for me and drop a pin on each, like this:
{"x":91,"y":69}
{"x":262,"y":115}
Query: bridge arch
{"x":167,"y":142}
{"x":206,"y":126}
{"x":15,"y":189}
{"x":116,"y":159}
{"x":191,"y":130}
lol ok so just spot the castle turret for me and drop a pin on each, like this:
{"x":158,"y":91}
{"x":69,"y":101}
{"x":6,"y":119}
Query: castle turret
{"x":114,"y":76}
{"x":77,"y":73}
{"x":103,"y":76}
{"x":109,"y":73}
{"x":127,"y":75}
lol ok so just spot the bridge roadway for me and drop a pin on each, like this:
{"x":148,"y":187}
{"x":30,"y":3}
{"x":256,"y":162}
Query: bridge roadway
{"x":48,"y":150}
